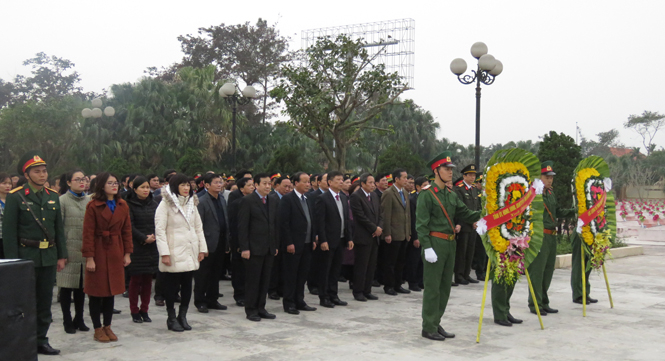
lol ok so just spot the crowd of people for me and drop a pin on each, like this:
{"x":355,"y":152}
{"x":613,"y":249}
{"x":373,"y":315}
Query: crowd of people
{"x":270,"y":234}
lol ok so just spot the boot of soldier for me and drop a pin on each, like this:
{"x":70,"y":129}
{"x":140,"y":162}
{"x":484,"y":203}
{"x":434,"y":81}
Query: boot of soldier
{"x":172,"y":323}
{"x":182,"y":318}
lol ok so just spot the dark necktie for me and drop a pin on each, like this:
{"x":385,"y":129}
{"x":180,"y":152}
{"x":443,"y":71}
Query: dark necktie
{"x":263,"y":199}
{"x":403,"y":200}
{"x":337,"y":197}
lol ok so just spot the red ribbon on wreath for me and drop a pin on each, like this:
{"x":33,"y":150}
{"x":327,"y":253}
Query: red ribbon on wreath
{"x":594,"y":211}
{"x":510,"y":211}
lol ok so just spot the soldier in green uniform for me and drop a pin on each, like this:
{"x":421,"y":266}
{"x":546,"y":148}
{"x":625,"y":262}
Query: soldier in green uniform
{"x":437,"y":207}
{"x":466,"y":238}
{"x":541,"y":269}
{"x":32,"y":229}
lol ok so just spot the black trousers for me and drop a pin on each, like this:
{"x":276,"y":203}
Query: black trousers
{"x":79,"y":301}
{"x":414,"y":265}
{"x":101,"y":306}
{"x":257,"y":281}
{"x":276,"y":277}
{"x":313,"y":274}
{"x":174,"y":282}
{"x":364,"y":267}
{"x":159,"y":286}
{"x":329,"y":266}
{"x":238,"y":278}
{"x":206,"y":278}
{"x":480,"y":259}
{"x":394,"y":255}
{"x":295,"y":267}
{"x":466,"y":245}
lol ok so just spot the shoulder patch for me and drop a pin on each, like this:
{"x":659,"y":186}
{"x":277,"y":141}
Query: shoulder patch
{"x":460,"y":185}
{"x":16,"y":189}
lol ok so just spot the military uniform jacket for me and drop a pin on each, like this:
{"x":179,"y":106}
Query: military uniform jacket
{"x":550,"y":221}
{"x":430,"y":217}
{"x":468,"y":196}
{"x":19,"y":223}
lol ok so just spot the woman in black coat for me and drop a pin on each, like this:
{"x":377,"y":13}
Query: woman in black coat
{"x":145,"y":258}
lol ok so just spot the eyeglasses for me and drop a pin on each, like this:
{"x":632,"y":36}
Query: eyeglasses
{"x":112,"y":184}
{"x":79,"y":180}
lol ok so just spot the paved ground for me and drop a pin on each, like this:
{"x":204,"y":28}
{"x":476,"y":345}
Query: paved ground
{"x":389,"y":329}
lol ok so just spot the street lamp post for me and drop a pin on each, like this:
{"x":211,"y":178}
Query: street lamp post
{"x":96,"y":112}
{"x":234,"y":96}
{"x":488,"y":69}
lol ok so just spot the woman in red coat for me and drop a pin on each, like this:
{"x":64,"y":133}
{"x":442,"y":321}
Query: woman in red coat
{"x":107,"y":243}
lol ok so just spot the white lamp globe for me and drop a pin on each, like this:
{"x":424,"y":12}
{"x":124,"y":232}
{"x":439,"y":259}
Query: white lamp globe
{"x":458,"y":66}
{"x":109,"y":111}
{"x":227,"y":89}
{"x":497,"y":69}
{"x":97,"y":103}
{"x":96,"y":113}
{"x":487,"y":62}
{"x":478,"y":49}
{"x":249,"y":92}
{"x":86,"y":113}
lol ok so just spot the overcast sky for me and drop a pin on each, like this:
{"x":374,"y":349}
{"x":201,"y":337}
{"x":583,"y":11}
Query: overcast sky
{"x":591,"y":62}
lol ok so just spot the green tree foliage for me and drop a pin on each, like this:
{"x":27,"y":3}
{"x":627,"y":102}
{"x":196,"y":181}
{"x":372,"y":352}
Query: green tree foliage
{"x":562,"y":150}
{"x":336,"y":94}
{"x":646,"y":125}
{"x":401,"y":156}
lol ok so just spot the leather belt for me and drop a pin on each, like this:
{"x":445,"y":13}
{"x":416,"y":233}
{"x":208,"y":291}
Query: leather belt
{"x":447,"y":237}
{"x":550,"y":231}
{"x":37,"y":244}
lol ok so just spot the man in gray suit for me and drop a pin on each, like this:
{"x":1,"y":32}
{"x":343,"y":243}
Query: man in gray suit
{"x":215,"y":219}
{"x":396,"y":209}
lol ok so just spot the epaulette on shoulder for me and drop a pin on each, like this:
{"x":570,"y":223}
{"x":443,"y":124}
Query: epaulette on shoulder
{"x":426,"y":187}
{"x":15,"y":189}
{"x":460,"y":185}
{"x":51,"y":189}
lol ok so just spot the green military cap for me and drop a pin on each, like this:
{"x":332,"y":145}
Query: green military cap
{"x":431,"y":178}
{"x":441,"y":160}
{"x":547,"y":168}
{"x":29,"y":159}
{"x":471,"y":168}
{"x":479,"y":177}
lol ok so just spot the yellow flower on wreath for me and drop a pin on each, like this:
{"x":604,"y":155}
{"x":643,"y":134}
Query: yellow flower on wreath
{"x":582,"y":176}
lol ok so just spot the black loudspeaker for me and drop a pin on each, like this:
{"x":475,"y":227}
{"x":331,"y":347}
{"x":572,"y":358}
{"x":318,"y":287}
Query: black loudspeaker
{"x":18,"y":314}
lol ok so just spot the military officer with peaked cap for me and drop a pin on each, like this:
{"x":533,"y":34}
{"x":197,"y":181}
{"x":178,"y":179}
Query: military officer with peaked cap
{"x":466,"y":239}
{"x":437,"y":207}
{"x":33,"y":230}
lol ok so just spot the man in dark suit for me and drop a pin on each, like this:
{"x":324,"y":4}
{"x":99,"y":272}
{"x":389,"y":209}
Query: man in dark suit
{"x":332,"y":225}
{"x":381,"y":182}
{"x":281,"y":187}
{"x":214,"y":216}
{"x":298,"y":241}
{"x":258,"y":241}
{"x":312,"y":280}
{"x":367,"y":219}
{"x":396,"y":209}
{"x":245,"y":187}
{"x":414,"y":261}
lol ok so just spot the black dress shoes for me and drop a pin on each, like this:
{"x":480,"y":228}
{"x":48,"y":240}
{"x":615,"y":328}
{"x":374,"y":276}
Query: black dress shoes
{"x":46,"y":349}
{"x":69,"y":327}
{"x":159,"y":303}
{"x":433,"y":336}
{"x":401,"y":289}
{"x":339,"y":302}
{"x":445,"y":334}
{"x":240,"y":303}
{"x":255,"y":318}
{"x":461,"y":281}
{"x":471,"y":280}
{"x":202,"y":308}
{"x":415,"y":288}
{"x":292,"y":311}
{"x":542,"y":312}
{"x":217,"y":306}
{"x":145,"y":317}
{"x":376,"y":283}
{"x":371,"y":297}
{"x":137,"y":318}
{"x":579,"y":300}
{"x":549,"y":310}
{"x":360,"y":298}
{"x":327,"y":304}
{"x":314,"y":291}
{"x":306,"y":308}
{"x":390,"y":291}
{"x":267,"y":315}
{"x":273,"y":296}
{"x":125,"y":294}
{"x":512,"y":319}
{"x":116,"y":312}
{"x":592,"y":300}
{"x":455,"y":284}
{"x":503,"y":323}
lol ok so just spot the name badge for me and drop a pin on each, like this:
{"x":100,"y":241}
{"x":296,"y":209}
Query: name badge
{"x":51,"y":202}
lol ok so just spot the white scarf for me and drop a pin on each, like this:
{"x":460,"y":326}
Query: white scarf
{"x":184,"y":204}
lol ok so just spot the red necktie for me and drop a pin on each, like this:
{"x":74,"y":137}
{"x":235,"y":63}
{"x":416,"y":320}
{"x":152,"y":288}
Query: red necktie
{"x":337,"y":197}
{"x":263,"y":199}
{"x":369,"y":199}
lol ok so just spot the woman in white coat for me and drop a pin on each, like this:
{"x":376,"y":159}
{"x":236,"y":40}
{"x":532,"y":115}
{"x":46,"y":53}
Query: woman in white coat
{"x":181,"y":245}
